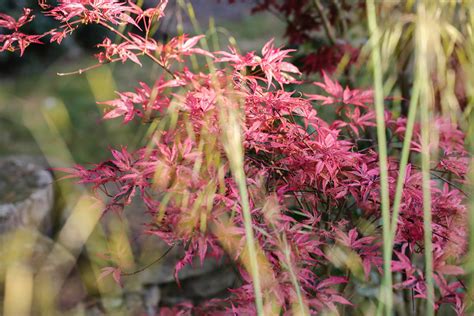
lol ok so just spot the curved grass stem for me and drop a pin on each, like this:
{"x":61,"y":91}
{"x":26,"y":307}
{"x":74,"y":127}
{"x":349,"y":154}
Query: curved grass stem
{"x":413,"y":107}
{"x":251,"y":248}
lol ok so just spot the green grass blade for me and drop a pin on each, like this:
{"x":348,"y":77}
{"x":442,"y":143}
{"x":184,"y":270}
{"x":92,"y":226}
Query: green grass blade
{"x":423,"y":73}
{"x":382,"y":148}
{"x":404,"y":157}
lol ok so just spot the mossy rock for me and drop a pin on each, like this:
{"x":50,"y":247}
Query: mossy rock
{"x":26,"y":195}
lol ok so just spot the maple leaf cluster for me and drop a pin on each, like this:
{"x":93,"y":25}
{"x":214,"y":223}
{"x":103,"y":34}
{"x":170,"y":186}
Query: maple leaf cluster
{"x":15,"y":39}
{"x":311,"y":182}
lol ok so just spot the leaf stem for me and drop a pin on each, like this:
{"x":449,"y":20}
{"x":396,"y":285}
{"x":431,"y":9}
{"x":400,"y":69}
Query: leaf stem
{"x":146,"y":52}
{"x":327,"y":26}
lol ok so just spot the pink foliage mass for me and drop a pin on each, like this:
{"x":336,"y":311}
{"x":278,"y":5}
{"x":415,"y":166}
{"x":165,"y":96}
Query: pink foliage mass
{"x":310,"y":180}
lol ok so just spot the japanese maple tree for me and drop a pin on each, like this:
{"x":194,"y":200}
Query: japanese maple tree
{"x":311,"y":188}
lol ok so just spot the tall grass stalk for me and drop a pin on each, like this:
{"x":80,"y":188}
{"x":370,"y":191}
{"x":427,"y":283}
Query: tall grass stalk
{"x":234,"y":151}
{"x":470,"y":256}
{"x":302,"y":308}
{"x":387,"y":297}
{"x":469,"y":66}
{"x":423,"y":72}
{"x":425,"y":169}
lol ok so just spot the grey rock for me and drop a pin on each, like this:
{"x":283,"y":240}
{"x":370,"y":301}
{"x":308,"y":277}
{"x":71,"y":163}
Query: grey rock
{"x":163,"y":271}
{"x":152,"y":299}
{"x":211,"y":284}
{"x":26,"y":194}
{"x":206,"y":286}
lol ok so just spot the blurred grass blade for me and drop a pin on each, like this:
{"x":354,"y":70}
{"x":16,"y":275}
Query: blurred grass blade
{"x":233,"y":147}
{"x":404,"y":157}
{"x":426,"y":93}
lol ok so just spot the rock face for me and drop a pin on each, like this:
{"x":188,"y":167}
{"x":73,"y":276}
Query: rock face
{"x":26,"y":201}
{"x":26,"y":194}
{"x":197,"y":282}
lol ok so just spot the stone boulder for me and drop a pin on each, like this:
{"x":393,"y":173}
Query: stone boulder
{"x":26,"y":194}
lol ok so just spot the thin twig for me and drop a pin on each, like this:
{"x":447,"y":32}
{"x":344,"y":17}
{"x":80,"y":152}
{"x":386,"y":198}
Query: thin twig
{"x":454,"y":185}
{"x":450,"y":183}
{"x":148,"y":265}
{"x":83,"y":70}
{"x":340,"y":14}
{"x":147,"y":53}
{"x":327,"y":26}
